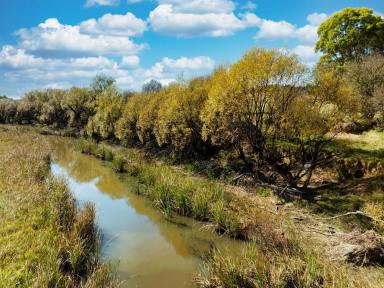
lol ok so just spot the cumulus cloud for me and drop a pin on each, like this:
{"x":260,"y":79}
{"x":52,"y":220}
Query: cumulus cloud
{"x":167,"y":19}
{"x":169,"y":66}
{"x":269,"y":29}
{"x":12,"y":57}
{"x":200,"y":6}
{"x":115,"y":25}
{"x":39,"y":72}
{"x":54,"y":36}
{"x":90,"y":3}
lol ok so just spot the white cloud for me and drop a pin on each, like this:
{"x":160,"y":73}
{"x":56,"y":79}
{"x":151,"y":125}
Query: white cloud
{"x":167,"y":70}
{"x":54,"y":36}
{"x":315,"y":19}
{"x":115,"y":25}
{"x":284,"y":30}
{"x":184,"y":63}
{"x":17,"y":58}
{"x":90,"y":3}
{"x":200,"y":6}
{"x":27,"y":71}
{"x":130,"y":61}
{"x":306,"y":54}
{"x":166,"y":19}
{"x":271,"y":29}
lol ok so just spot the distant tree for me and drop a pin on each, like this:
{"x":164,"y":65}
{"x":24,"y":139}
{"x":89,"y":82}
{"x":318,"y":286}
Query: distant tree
{"x":101,"y":82}
{"x":3,"y":97}
{"x":152,"y":86}
{"x":350,"y":34}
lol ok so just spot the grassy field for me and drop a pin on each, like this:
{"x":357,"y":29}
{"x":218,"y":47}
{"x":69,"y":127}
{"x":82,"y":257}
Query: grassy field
{"x":45,"y":240}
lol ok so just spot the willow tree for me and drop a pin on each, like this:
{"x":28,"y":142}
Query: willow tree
{"x":126,"y":130}
{"x":148,"y":116}
{"x":108,"y":110}
{"x":52,"y":111}
{"x":178,"y":125}
{"x":254,"y":106}
{"x":79,"y":104}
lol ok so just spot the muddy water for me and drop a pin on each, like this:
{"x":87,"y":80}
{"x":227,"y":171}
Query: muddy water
{"x":151,"y":250}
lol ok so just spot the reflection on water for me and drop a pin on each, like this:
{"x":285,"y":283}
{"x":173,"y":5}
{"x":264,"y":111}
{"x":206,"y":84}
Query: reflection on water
{"x":151,"y":251}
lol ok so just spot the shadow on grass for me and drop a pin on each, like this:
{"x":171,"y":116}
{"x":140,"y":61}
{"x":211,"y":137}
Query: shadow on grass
{"x":344,"y":148}
{"x":348,"y":196}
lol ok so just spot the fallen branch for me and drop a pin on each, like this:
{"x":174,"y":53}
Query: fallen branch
{"x":346,"y":214}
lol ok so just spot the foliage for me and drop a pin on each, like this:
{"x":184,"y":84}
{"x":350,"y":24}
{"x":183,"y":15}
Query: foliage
{"x":126,"y":126}
{"x":258,"y":105}
{"x":350,"y":34}
{"x":79,"y":104}
{"x":178,"y":124}
{"x":108,"y":107}
{"x":367,"y":78}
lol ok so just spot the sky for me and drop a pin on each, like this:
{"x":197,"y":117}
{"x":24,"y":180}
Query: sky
{"x":59,"y":44}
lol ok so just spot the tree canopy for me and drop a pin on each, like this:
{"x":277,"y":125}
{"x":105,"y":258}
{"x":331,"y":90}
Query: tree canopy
{"x":350,"y":34}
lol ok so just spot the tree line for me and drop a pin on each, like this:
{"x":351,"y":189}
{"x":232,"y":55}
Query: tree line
{"x":276,"y":115}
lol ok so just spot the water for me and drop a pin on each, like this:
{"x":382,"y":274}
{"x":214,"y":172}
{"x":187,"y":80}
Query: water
{"x":151,"y":251}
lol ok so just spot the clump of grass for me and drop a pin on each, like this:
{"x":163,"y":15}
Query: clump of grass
{"x":263,"y":192}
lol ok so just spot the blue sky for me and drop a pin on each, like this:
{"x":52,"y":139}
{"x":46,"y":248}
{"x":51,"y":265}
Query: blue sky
{"x":58,"y":44}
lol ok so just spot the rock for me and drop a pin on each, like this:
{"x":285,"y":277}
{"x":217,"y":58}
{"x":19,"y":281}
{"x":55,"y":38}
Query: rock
{"x":361,"y":249}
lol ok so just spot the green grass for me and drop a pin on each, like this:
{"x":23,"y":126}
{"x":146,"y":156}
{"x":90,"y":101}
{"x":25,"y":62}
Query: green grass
{"x":45,"y":240}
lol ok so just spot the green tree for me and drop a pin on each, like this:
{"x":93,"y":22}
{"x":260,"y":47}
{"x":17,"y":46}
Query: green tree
{"x":349,"y":34}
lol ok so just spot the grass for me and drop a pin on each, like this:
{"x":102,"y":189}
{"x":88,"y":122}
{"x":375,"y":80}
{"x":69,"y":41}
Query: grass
{"x":368,"y":146}
{"x":45,"y":240}
{"x":252,"y":269}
